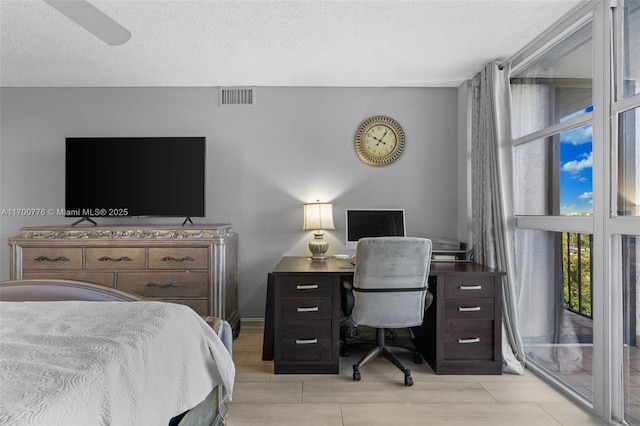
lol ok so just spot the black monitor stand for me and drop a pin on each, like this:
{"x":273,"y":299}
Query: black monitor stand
{"x":87,"y":218}
{"x":187,"y":220}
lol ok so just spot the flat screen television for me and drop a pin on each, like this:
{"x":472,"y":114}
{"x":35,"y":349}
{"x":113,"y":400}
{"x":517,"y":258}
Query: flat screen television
{"x":134,"y":177}
{"x":373,"y":223}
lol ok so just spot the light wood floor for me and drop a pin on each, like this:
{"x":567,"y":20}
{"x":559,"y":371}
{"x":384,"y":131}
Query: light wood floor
{"x":263,"y":398}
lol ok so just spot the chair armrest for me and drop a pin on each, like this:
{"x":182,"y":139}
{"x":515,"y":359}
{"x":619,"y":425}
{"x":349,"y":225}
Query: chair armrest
{"x":216,"y":324}
{"x":223,"y":329}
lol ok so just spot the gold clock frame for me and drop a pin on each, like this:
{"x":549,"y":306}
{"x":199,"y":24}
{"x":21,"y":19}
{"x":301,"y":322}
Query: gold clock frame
{"x":374,"y":160}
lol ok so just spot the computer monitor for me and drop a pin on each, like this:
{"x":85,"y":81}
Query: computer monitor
{"x":373,"y":223}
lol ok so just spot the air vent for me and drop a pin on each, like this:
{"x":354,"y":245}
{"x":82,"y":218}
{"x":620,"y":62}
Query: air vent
{"x":237,"y":96}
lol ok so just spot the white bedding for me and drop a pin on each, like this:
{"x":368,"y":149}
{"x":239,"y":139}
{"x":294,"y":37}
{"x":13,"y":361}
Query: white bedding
{"x":106,"y":363}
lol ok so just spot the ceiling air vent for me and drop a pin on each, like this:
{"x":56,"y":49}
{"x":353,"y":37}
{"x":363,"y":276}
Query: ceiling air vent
{"x":237,"y":96}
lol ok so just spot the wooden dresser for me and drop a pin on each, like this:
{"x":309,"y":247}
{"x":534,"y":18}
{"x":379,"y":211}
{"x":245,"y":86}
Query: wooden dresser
{"x":196,"y":266}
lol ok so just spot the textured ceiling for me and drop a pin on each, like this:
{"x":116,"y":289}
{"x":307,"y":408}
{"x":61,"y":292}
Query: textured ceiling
{"x":429,"y":43}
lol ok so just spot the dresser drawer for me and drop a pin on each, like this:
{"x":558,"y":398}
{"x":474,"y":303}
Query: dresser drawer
{"x":469,"y":308}
{"x":118,"y":258}
{"x":188,"y":258}
{"x":164,"y":284}
{"x":306,"y":341}
{"x":104,"y":278}
{"x":198,"y":305}
{"x":469,"y":286}
{"x":306,"y":308}
{"x":51,"y":258}
{"x":316,"y":286}
{"x":468,"y":339}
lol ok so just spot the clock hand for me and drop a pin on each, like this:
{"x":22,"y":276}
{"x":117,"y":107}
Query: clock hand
{"x":380,"y":140}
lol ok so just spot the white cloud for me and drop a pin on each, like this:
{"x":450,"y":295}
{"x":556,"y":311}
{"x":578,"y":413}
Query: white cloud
{"x":576,"y":166}
{"x":578,"y":136}
{"x":586,"y":196}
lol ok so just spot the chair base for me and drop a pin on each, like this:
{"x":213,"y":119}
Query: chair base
{"x":382,"y":350}
{"x":348,"y":339}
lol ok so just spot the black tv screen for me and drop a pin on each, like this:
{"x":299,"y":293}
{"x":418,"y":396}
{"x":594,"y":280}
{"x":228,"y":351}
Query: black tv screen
{"x":151,"y":176}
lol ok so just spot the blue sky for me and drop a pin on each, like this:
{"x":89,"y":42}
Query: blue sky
{"x":576,"y":166}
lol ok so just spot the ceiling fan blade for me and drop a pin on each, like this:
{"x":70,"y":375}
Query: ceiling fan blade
{"x":93,"y":20}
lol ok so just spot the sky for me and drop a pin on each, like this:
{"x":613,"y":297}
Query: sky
{"x":576,"y":166}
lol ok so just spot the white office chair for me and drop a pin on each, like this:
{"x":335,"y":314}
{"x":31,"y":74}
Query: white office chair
{"x":390,"y":287}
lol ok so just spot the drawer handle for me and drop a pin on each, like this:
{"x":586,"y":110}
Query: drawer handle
{"x":314,"y":309}
{"x":470,"y":340}
{"x":307,"y":287}
{"x":468,"y":308}
{"x":175,"y":259}
{"x":55,"y":259}
{"x":171,"y":284}
{"x":111,"y":259}
{"x":306,"y":341}
{"x":470,"y":287}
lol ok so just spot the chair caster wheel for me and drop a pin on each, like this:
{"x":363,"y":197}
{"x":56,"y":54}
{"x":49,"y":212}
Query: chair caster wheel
{"x":417,"y":358}
{"x":408,"y":381}
{"x":356,"y":374}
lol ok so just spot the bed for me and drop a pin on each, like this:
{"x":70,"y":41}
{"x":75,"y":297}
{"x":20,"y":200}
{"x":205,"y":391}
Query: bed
{"x":80,"y":353}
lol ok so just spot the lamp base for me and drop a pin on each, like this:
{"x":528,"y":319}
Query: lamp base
{"x":318,"y":246}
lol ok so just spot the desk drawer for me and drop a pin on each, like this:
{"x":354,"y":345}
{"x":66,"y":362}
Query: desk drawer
{"x":468,"y":339}
{"x":469,"y":286}
{"x":164,"y":284}
{"x":178,"y":258}
{"x":51,"y":258}
{"x":316,"y":286}
{"x":306,"y":308}
{"x":306,"y":341}
{"x":469,"y":308}
{"x":115,"y":258}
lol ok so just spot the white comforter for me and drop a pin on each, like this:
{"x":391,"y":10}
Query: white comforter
{"x":106,"y":363}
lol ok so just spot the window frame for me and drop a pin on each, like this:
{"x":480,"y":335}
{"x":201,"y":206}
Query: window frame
{"x":605,"y":225}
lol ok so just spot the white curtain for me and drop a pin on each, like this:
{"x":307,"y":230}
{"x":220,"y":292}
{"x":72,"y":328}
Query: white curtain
{"x":492,"y":198}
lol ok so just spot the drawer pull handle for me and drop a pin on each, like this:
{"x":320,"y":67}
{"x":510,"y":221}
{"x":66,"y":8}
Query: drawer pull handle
{"x":313,"y":309}
{"x":175,"y":259}
{"x":111,"y":259}
{"x":470,"y":287}
{"x":468,"y":308}
{"x":171,"y":284}
{"x":470,"y":340}
{"x":55,"y":259}
{"x":306,"y":341}
{"x":307,"y":287}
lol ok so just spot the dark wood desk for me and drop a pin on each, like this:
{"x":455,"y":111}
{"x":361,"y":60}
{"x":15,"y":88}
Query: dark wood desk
{"x":461,"y":333}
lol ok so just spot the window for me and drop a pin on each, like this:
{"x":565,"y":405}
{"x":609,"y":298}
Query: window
{"x":555,"y":322}
{"x":628,"y":193}
{"x":552,"y":115}
{"x":554,"y":176}
{"x":630,"y":47}
{"x":576,"y":128}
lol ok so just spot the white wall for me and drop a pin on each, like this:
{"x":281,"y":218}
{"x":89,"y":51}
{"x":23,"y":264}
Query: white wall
{"x":294,"y":146}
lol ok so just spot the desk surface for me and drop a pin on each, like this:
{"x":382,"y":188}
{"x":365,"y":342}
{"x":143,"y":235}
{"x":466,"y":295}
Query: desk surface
{"x":333,"y":266}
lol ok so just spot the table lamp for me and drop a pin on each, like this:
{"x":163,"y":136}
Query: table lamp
{"x":318,"y":216}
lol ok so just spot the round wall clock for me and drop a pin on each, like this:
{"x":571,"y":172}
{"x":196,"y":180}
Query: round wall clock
{"x":379,"y":140}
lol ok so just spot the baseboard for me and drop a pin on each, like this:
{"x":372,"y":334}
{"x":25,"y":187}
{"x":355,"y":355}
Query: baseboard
{"x":252,"y":322}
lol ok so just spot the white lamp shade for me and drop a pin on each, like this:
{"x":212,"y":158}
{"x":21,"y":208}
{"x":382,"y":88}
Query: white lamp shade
{"x":318,"y":216}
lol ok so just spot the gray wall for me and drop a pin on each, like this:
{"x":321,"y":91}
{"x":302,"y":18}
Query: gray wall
{"x":263,"y":163}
